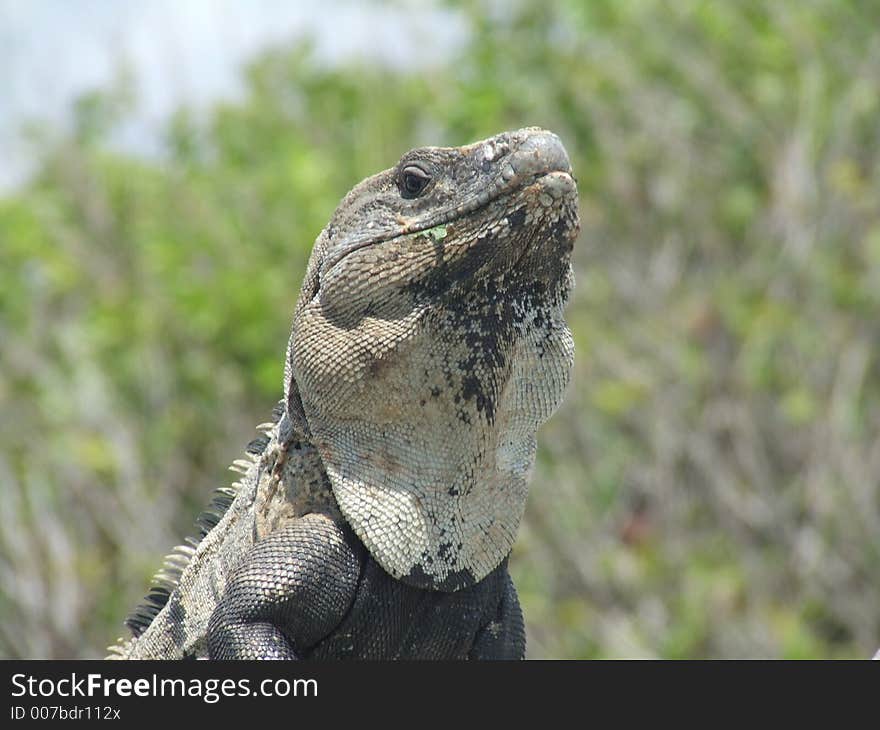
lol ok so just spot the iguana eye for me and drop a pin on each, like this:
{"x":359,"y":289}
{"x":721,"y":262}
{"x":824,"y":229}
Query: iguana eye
{"x":413,"y":180}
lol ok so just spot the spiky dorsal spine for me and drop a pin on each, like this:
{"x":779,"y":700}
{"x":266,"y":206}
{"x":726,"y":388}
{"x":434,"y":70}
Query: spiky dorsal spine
{"x":166,"y":580}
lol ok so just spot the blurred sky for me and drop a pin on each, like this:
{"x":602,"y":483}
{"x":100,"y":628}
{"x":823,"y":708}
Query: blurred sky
{"x":180,"y":51}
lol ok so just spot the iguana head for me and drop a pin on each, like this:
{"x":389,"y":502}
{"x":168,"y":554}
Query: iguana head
{"x":428,"y":345}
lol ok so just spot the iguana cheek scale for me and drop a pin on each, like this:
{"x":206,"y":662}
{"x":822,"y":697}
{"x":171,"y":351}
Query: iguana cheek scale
{"x":375,"y":515}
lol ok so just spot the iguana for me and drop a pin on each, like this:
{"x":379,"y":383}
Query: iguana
{"x":376,"y":513}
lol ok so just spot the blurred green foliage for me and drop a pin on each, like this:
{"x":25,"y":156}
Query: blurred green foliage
{"x":709,"y":488}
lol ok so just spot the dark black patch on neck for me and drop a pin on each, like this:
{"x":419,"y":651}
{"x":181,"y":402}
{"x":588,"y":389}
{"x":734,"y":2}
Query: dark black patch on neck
{"x":447,"y":273}
{"x":455,"y":581}
{"x":484,"y":319}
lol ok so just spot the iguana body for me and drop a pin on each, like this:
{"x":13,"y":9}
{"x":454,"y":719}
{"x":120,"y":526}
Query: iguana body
{"x":427,"y":346}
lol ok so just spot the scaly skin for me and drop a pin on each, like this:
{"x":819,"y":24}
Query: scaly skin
{"x":427,"y":346}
